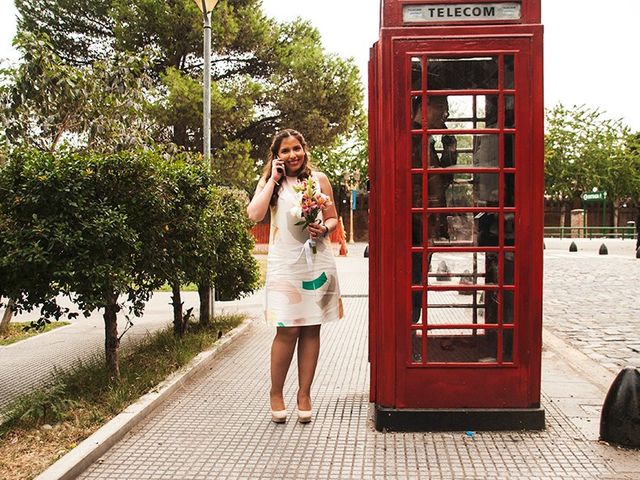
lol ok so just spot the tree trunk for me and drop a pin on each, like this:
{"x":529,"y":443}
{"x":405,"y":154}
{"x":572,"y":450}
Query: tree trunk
{"x":178,"y":323}
{"x":563,"y":213}
{"x":616,"y":213}
{"x":111,"y":341}
{"x":204,"y":291}
{"x":6,"y":318}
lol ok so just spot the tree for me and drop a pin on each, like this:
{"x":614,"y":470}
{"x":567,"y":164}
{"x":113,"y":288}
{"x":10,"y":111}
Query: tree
{"x":83,"y":225}
{"x":583,"y":150}
{"x":48,"y":103}
{"x":266,"y":75}
{"x":186,"y":184}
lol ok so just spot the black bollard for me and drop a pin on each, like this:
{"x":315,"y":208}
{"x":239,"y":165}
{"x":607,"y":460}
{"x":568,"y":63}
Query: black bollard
{"x":638,"y":253}
{"x":573,"y":247}
{"x":366,"y":251}
{"x":544,"y":246}
{"x":620,"y":419}
{"x":603,"y":250}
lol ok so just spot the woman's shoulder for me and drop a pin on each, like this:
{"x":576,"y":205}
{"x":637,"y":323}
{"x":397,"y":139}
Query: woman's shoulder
{"x":320,"y":175}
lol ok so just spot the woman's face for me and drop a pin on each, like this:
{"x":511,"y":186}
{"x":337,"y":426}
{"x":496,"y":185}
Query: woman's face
{"x":292,"y":154}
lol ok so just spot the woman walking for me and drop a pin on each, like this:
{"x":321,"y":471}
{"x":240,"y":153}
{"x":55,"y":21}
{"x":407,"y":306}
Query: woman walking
{"x":302,"y":289}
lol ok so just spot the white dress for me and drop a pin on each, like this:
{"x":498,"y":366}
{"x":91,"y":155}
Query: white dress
{"x":301,"y":287}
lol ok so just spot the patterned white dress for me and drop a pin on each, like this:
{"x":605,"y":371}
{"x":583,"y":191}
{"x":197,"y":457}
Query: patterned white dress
{"x":301,"y":287}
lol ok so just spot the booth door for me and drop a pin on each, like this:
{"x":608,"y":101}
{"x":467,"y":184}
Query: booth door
{"x":465,"y":202}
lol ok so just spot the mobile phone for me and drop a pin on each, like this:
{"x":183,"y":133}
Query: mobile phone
{"x":279,"y":169}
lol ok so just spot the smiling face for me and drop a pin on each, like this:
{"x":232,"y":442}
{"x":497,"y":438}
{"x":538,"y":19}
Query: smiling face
{"x":291,"y":152}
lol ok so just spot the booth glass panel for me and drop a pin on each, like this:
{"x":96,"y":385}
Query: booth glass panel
{"x":509,"y":72}
{"x":445,"y":229}
{"x":462,"y":73}
{"x":463,"y":268}
{"x":416,"y":346}
{"x":509,"y":190}
{"x":462,"y":112}
{"x":416,"y":113}
{"x":416,"y":151}
{"x":416,"y":307}
{"x":416,"y":191}
{"x":473,"y":345}
{"x":507,"y":345}
{"x":508,"y":267}
{"x":486,"y":190}
{"x":416,"y":73}
{"x":508,"y":307}
{"x":416,"y":268}
{"x":509,"y":150}
{"x":464,"y":190}
{"x":455,"y":307}
{"x":416,"y":230}
{"x":509,"y":111}
{"x":486,"y":153}
{"x":509,"y":229}
{"x":446,"y":151}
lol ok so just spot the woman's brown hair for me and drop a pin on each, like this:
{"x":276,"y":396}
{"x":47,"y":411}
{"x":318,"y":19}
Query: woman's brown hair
{"x":305,"y":170}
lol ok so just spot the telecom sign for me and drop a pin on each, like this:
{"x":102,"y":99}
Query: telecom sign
{"x":594,"y":197}
{"x":461,"y":12}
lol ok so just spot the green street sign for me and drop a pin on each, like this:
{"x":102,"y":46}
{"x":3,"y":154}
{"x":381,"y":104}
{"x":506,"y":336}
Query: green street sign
{"x":594,"y":197}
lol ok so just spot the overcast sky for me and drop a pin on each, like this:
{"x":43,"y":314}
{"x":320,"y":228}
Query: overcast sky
{"x":590,"y":46}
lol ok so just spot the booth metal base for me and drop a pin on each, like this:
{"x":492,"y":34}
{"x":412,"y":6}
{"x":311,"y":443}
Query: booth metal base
{"x":442,"y":420}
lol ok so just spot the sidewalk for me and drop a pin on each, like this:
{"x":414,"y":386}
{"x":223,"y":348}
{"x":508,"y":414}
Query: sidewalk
{"x":218,"y":425}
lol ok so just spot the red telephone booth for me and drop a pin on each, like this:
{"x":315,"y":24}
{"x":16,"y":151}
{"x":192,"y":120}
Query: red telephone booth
{"x":456,"y":215}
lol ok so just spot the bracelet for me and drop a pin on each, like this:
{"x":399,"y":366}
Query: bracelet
{"x":274,"y":181}
{"x":327,"y":232}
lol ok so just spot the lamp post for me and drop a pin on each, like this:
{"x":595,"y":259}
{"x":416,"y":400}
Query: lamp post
{"x":206,"y":7}
{"x":351,"y":181}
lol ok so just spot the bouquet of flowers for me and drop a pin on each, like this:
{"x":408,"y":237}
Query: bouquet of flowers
{"x":312,"y":202}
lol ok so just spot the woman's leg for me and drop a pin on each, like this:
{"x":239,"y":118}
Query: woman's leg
{"x":282,"y":350}
{"x":308,"y":351}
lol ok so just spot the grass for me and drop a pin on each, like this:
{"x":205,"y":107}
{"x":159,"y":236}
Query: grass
{"x":189,"y":287}
{"x":41,"y":427}
{"x":15,"y":331}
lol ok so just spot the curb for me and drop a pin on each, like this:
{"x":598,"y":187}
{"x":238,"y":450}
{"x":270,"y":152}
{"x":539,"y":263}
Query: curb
{"x":97,"y":444}
{"x":590,"y":370}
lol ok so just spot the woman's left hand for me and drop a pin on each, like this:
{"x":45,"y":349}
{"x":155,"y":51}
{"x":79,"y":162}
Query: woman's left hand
{"x":317,"y":230}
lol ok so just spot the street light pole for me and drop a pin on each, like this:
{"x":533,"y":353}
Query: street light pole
{"x":206,"y":7}
{"x":206,"y":97}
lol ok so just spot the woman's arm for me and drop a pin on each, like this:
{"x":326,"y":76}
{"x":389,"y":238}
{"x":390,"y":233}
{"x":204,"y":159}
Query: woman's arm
{"x":259,"y":204}
{"x":330,"y":215}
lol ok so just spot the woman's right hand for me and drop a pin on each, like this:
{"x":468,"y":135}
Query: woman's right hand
{"x":277,"y":169}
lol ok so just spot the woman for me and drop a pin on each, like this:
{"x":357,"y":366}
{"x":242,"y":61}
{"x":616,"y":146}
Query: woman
{"x":302,"y":289}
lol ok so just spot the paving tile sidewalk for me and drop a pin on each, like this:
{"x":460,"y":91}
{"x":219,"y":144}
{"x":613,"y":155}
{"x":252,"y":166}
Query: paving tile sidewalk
{"x":218,"y":425}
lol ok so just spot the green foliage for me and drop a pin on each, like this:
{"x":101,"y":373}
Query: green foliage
{"x":347,"y":160}
{"x":583,"y":150}
{"x":266,"y":76}
{"x":236,"y":270}
{"x":99,"y":227}
{"x":47,"y":102}
{"x":86,"y":225}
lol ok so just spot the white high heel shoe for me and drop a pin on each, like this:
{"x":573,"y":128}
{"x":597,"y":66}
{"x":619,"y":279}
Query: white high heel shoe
{"x":304,"y":416}
{"x":278,"y":416}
